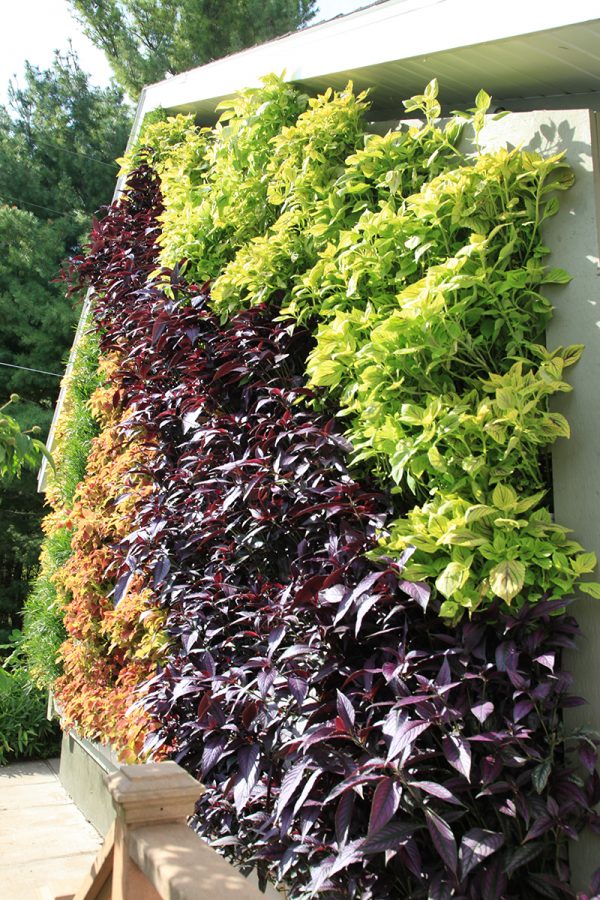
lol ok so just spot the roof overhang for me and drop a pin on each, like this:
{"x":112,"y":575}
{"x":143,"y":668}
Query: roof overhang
{"x":519,"y":50}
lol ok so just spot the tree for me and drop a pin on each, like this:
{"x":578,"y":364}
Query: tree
{"x":18,"y":449}
{"x":58,"y":142}
{"x":147,"y":40}
{"x":59,"y":138}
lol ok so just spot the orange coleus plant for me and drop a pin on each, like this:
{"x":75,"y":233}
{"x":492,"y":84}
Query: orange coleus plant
{"x":111,"y":647}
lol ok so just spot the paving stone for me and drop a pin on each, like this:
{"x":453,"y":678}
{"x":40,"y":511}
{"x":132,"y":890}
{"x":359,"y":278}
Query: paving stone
{"x":18,"y":795}
{"x":42,"y":832}
{"x":26,"y":881}
{"x":54,"y":765}
{"x":44,"y":839}
{"x":32,"y":772}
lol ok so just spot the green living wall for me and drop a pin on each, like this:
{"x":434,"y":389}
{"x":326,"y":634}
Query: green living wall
{"x":314,"y":557}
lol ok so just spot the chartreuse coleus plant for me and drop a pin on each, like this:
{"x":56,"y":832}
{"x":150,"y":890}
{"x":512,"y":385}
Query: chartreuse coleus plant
{"x":215,"y":182}
{"x":323,"y":173}
{"x":431,"y":321}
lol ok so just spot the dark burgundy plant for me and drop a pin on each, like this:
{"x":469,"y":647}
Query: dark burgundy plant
{"x":350,"y":743}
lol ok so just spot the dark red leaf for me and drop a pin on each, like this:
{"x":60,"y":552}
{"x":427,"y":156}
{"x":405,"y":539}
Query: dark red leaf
{"x":443,"y":840}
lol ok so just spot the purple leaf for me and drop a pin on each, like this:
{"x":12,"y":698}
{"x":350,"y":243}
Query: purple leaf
{"x":588,"y":756}
{"x":547,"y":659}
{"x":265,"y":681}
{"x":540,"y":776}
{"x":418,"y":590}
{"x":333,"y":594}
{"x":248,"y":761}
{"x":522,"y":855}
{"x":290,"y":782}
{"x":349,"y":854}
{"x":345,"y":711}
{"x":121,"y":587}
{"x":161,"y":570}
{"x":507,"y":657}
{"x":323,"y":733}
{"x":444,"y":676}
{"x":298,"y":689}
{"x":353,"y":781}
{"x":365,"y":584}
{"x":458,"y":753}
{"x":275,"y":638}
{"x":522,"y":708}
{"x":435,"y":790}
{"x":306,"y":790}
{"x":482,"y":710}
{"x":385,"y":803}
{"x":475,"y":846}
{"x":363,"y":609}
{"x":343,"y":608}
{"x":443,"y":840}
{"x":405,"y":736}
{"x":494,"y":880}
{"x":343,"y":817}
{"x":411,"y":857}
{"x":389,"y":837}
{"x":320,"y":875}
{"x":439,"y":889}
{"x":539,"y":827}
{"x":213,"y":749}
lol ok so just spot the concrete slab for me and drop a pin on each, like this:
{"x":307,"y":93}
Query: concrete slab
{"x":26,"y":882}
{"x":30,"y":772}
{"x":44,"y":832}
{"x":16,"y":795}
{"x":54,"y":765}
{"x":44,"y":839}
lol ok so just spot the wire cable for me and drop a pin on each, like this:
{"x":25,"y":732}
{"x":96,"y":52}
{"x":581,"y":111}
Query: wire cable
{"x":47,"y":208}
{"x":95,"y":159}
{"x":27,"y":369}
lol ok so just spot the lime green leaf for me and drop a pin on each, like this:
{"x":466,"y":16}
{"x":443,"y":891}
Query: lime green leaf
{"x":572,"y":354}
{"x":556,"y":276}
{"x":479,"y":511}
{"x":507,"y":579}
{"x":504,"y":498}
{"x":590,"y":587}
{"x":449,"y":609}
{"x":585,"y":562}
{"x":528,"y":502}
{"x":452,"y":578}
{"x":482,"y":101}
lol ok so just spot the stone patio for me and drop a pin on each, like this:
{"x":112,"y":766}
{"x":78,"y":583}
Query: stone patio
{"x":47,"y":845}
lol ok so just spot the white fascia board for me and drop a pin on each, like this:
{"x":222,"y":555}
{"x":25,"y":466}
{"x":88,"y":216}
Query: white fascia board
{"x":393,"y":30}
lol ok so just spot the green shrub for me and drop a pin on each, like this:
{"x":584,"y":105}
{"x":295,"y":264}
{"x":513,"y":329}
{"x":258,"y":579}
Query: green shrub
{"x":43,"y":620}
{"x":43,"y":616}
{"x":25,"y":732}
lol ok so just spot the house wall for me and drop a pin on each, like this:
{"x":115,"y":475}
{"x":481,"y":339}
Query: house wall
{"x":573,"y":235}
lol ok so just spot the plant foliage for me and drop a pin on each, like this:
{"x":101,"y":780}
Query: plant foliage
{"x":358,"y":620}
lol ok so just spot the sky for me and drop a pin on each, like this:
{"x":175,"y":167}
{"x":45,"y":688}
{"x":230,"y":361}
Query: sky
{"x":33,"y":29}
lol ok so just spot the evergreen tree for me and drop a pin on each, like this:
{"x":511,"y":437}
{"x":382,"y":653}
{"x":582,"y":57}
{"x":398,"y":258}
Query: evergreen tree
{"x":59,"y":138}
{"x":147,"y":40}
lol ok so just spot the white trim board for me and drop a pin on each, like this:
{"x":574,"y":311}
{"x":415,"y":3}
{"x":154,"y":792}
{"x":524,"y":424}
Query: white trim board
{"x":530,"y":49}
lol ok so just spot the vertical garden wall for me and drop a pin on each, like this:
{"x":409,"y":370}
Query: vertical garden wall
{"x":316,"y":556}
